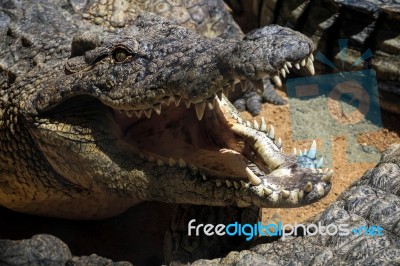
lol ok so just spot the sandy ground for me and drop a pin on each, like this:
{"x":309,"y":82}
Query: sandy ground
{"x":346,"y":171}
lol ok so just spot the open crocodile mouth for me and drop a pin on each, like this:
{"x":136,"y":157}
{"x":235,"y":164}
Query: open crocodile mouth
{"x":210,"y":137}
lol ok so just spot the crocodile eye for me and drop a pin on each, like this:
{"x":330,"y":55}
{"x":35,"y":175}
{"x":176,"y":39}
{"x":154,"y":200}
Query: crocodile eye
{"x":120,"y":55}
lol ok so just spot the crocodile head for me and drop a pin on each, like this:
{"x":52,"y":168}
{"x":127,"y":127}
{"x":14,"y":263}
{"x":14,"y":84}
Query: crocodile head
{"x":141,"y":115}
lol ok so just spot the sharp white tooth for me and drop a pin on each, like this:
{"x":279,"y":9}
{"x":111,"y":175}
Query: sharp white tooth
{"x":308,"y":187}
{"x":297,"y":65}
{"x":263,"y":125}
{"x":320,"y":162}
{"x":200,"y":108}
{"x":157,"y":108}
{"x":313,"y":150}
{"x":148,"y":112}
{"x":210,"y":103}
{"x":129,"y":113}
{"x":244,"y":184}
{"x":248,"y":124}
{"x":303,"y":62}
{"x":254,"y":180}
{"x":277,"y":80}
{"x":305,"y":152}
{"x":255,"y":125}
{"x":286,"y":68}
{"x":243,"y":85}
{"x":285,"y":193}
{"x":171,"y":162}
{"x":228,"y":183}
{"x":160,"y":162}
{"x":310,"y":66}
{"x":218,"y":183}
{"x":289,"y":65}
{"x":182,"y":163}
{"x":235,"y":116}
{"x":176,"y":99}
{"x":300,"y":153}
{"x":294,"y":151}
{"x":278,"y":143}
{"x":327,"y":178}
{"x":267,"y":191}
{"x":311,"y":56}
{"x":283,"y":73}
{"x":219,"y":94}
{"x":204,"y":178}
{"x":138,"y":113}
{"x":187,"y":104}
{"x":300,"y":195}
{"x":326,"y":170}
{"x":271,"y":133}
{"x":236,"y":185}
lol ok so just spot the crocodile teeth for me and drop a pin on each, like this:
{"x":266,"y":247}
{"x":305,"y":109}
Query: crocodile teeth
{"x":267,"y":191}
{"x":171,"y":162}
{"x":148,"y":113}
{"x":228,"y":183}
{"x":187,"y":104}
{"x":157,"y":108}
{"x":320,"y":162}
{"x":129,"y":113}
{"x":285,"y":193}
{"x":277,"y":80}
{"x":297,"y":65}
{"x":311,"y":56}
{"x":278,"y":143}
{"x":271,"y":133}
{"x":303,"y":62}
{"x":236,"y":185}
{"x":211,"y":103}
{"x":248,"y":124}
{"x":308,"y":187}
{"x":204,"y":178}
{"x":283,"y":72}
{"x":255,"y":125}
{"x":160,"y":162}
{"x":300,"y":195}
{"x":138,"y":113}
{"x":263,"y":125}
{"x":218,"y":183}
{"x":175,"y":99}
{"x":182,"y":163}
{"x":327,"y":178}
{"x":244,"y":184}
{"x":286,"y":67}
{"x":288,"y":64}
{"x":200,"y":108}
{"x":254,"y":180}
{"x":310,"y":66}
{"x":294,"y":151}
{"x":313,"y":150}
{"x":151,"y":159}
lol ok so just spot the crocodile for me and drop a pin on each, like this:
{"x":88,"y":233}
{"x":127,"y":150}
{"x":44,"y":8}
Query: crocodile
{"x":366,"y":25}
{"x":98,"y":115}
{"x":373,"y":200}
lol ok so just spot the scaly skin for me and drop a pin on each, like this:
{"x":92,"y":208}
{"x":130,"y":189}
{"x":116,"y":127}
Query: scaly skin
{"x":67,"y":151}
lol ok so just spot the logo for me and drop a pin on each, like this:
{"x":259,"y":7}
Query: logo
{"x":338,"y":104}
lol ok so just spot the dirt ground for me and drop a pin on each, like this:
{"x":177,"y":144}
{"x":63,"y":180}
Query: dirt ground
{"x":345,"y":171}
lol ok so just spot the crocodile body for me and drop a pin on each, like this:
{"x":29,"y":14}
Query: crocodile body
{"x":372,"y":200}
{"x":109,"y":108}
